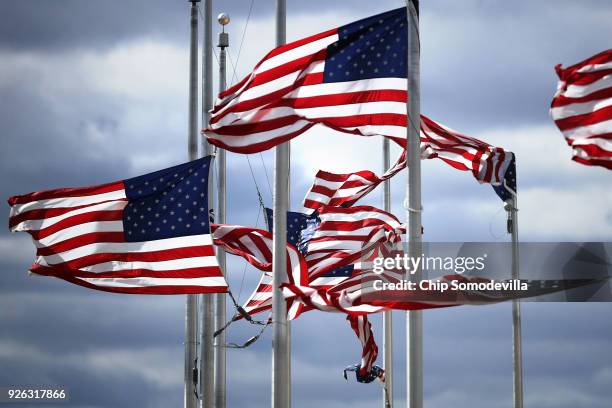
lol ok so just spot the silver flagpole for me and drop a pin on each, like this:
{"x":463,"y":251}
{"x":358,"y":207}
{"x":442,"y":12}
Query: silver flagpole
{"x":281,"y":347}
{"x":387,"y":316}
{"x":191,"y":322}
{"x":207,"y":378}
{"x":517,"y":351}
{"x":414,"y":325}
{"x":220,"y":312}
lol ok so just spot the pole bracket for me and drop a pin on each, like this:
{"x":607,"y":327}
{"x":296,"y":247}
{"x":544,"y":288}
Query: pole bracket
{"x":408,"y":208}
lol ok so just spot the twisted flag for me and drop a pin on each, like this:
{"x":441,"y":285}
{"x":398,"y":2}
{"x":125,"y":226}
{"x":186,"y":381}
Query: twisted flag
{"x":487,"y":163}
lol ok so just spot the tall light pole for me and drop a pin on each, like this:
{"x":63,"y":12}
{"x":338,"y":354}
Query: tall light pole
{"x":191,"y":322}
{"x":220,"y":312}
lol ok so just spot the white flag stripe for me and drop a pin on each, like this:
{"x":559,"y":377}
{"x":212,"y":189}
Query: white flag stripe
{"x":132,"y":247}
{"x":578,"y":91}
{"x":589,"y":131}
{"x":78,"y":230}
{"x":596,"y":67}
{"x":67,"y":202}
{"x":579,"y":108}
{"x":338,"y":88}
{"x":35,"y":224}
{"x":260,"y":137}
{"x":605,"y":144}
{"x":296,"y":53}
{"x":173,"y":264}
{"x":146,"y":281}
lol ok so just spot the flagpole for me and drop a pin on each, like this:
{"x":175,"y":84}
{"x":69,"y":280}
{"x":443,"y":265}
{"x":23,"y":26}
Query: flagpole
{"x":517,"y":349}
{"x":206,"y":361}
{"x":387,"y":316}
{"x":281,"y":347}
{"x":191,"y":335}
{"x":220,"y":312}
{"x":414,"y":329}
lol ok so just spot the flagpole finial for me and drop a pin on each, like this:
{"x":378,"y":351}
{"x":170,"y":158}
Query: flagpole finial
{"x":223,"y":19}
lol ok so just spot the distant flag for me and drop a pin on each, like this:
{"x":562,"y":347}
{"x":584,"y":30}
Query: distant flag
{"x":487,"y":163}
{"x":507,"y":188}
{"x":351,"y":78}
{"x":147,"y":235}
{"x":582,"y":109}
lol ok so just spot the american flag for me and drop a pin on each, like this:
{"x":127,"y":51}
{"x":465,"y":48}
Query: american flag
{"x":487,"y":163}
{"x":331,"y":257}
{"x":148,"y":234}
{"x":351,"y":78}
{"x":582,"y":109}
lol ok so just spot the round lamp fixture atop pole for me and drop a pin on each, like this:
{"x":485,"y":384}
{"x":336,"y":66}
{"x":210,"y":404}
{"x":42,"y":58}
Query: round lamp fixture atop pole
{"x":223,"y":19}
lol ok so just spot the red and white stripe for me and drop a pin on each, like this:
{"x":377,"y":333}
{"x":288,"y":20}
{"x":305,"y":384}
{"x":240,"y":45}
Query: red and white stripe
{"x":79,"y":237}
{"x":363,"y":329}
{"x":582,"y":109}
{"x":344,"y":190}
{"x":285,"y":95}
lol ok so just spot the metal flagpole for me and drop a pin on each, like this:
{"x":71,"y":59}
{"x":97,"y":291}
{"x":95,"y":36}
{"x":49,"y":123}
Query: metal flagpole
{"x":281,"y":347}
{"x":206,"y":301}
{"x":517,"y":351}
{"x":220,"y":312}
{"x":387,"y":316}
{"x":191,"y":335}
{"x":414,"y":329}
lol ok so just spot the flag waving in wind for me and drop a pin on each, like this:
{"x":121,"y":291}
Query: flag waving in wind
{"x":351,"y":78}
{"x":582,"y":109}
{"x":148,"y":234}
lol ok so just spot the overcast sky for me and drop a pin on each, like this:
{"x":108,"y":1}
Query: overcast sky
{"x":97,"y":91}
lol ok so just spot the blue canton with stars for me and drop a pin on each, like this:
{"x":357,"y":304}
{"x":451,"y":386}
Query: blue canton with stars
{"x":300,"y":228}
{"x":168,"y":203}
{"x":508,"y":183}
{"x":374,"y":47}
